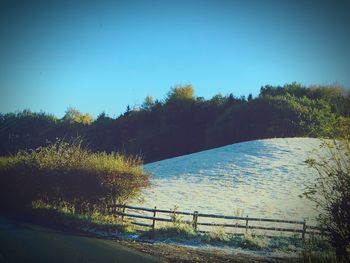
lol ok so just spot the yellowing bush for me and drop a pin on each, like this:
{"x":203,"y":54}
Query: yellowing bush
{"x":66,"y":174}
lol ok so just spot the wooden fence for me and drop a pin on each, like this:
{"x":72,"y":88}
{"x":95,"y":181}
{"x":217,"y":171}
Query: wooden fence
{"x":120,"y":210}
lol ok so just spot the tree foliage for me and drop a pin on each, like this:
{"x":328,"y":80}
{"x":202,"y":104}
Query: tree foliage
{"x":148,"y":103}
{"x":183,"y":123}
{"x":74,"y":116}
{"x":331,"y":191}
{"x":181,"y":93}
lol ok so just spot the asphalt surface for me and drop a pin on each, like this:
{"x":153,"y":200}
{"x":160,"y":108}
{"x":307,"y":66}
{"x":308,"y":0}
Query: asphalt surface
{"x":24,"y":242}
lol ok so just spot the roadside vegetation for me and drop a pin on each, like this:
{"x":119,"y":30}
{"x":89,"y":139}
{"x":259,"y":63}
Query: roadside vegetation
{"x":65,"y":176}
{"x":331,"y":191}
{"x":314,"y":249}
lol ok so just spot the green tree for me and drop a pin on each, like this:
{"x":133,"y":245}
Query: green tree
{"x":218,"y":100}
{"x":72,"y":115}
{"x":148,"y":103}
{"x":183,"y":123}
{"x":181,"y":93}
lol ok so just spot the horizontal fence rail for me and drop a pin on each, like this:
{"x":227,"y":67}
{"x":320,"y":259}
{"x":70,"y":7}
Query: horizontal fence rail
{"x":120,"y":210}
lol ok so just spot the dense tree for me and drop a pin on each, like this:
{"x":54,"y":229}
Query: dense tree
{"x":180,"y":93}
{"x":148,"y":103}
{"x":183,"y":123}
{"x":74,"y":116}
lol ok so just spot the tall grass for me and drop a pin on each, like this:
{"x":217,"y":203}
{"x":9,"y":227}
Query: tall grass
{"x":66,"y":174}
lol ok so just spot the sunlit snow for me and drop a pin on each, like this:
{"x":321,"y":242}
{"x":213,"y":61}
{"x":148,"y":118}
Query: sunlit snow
{"x":264,"y":178}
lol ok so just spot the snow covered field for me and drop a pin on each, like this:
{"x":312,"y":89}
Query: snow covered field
{"x":264,"y":178}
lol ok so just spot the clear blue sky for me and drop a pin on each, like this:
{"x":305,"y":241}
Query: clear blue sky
{"x":103,"y":55}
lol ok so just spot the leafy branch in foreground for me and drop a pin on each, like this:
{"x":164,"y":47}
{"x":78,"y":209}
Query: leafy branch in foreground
{"x":331,"y":191}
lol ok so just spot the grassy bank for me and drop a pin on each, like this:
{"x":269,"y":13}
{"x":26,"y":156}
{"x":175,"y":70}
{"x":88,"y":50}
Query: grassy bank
{"x":167,"y":240}
{"x":314,"y":249}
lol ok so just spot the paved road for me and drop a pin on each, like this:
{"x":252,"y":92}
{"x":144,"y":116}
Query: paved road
{"x":22,"y":242}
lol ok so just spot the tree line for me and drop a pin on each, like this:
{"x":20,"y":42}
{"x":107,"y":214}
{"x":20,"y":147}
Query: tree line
{"x":183,"y":123}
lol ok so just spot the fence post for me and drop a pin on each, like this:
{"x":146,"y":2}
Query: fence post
{"x":246,"y":224}
{"x":154,"y":218}
{"x":304,"y":231}
{"x":123,"y":212}
{"x":195,"y":220}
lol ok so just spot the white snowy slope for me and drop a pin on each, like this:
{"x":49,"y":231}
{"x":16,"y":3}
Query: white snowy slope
{"x":263,"y":177}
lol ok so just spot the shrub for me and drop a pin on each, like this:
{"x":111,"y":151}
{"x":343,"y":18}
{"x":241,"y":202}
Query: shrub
{"x":65,"y":174}
{"x":255,"y":242}
{"x":218,"y":234}
{"x":331,"y":192}
{"x":181,"y":231}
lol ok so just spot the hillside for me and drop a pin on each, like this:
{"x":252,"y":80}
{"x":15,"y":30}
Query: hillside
{"x":261,"y":178}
